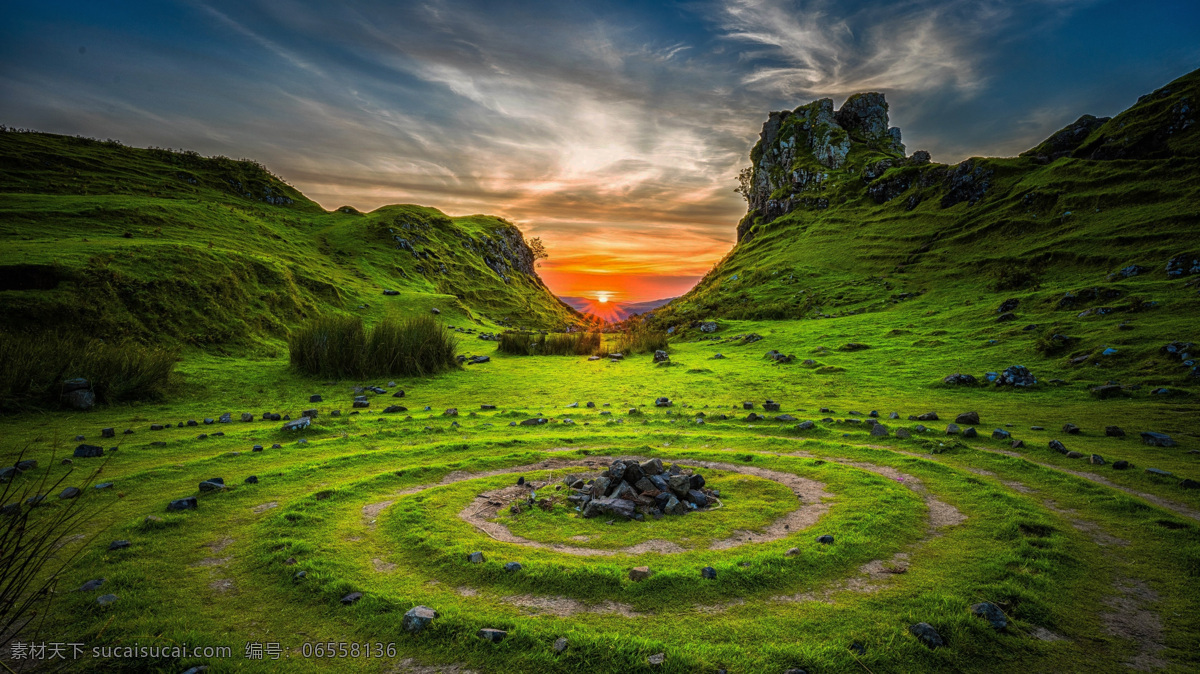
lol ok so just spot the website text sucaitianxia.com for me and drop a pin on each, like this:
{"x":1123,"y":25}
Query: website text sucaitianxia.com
{"x":55,"y":650}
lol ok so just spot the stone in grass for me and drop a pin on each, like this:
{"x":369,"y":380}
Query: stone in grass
{"x":1120,"y":465}
{"x":212,"y":484}
{"x":247,"y":417}
{"x":1114,"y":432}
{"x":119,"y":545}
{"x":952,"y":429}
{"x":1189,"y":484}
{"x":1058,"y":446}
{"x":276,"y":446}
{"x":925,"y":633}
{"x":297,"y":424}
{"x":1159,"y":472}
{"x":639,"y":573}
{"x":656,"y":660}
{"x":1001,"y":434}
{"x":560,"y":644}
{"x":91,"y":585}
{"x":991,"y":613}
{"x":493,"y":635}
{"x":826,"y":539}
{"x":928,"y":416}
{"x":106,"y":599}
{"x":1157,"y":439}
{"x":1071,"y":429}
{"x":792,"y":552}
{"x":512,"y":567}
{"x":88,"y":451}
{"x":475,"y":558}
{"x":1074,"y":455}
{"x":315,"y":398}
{"x":708,"y":573}
{"x":108,"y":432}
{"x":1018,"y":444}
{"x":418,"y":618}
{"x":69,"y":492}
{"x":351,"y":598}
{"x":795,"y":670}
{"x":311,"y":414}
{"x":188,"y":503}
{"x":879,"y":431}
{"x":967,"y":418}
{"x":256,"y":448}
{"x":393,"y":409}
{"x":1096,"y":460}
{"x":805,"y":426}
{"x":903,"y":433}
{"x":253,"y":479}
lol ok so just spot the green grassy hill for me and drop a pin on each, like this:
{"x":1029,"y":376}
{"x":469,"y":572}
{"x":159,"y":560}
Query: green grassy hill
{"x":1100,"y":218}
{"x":170,"y":246}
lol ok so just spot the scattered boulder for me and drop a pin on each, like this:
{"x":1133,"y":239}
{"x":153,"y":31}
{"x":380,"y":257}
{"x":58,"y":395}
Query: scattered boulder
{"x":959,"y":379}
{"x":639,"y":573}
{"x":493,"y":635}
{"x":826,"y":539}
{"x":105,"y":600}
{"x":661,"y":357}
{"x":475,"y":558}
{"x":560,"y":644}
{"x":991,"y":613}
{"x":69,"y":493}
{"x":88,"y":451}
{"x":351,"y":598}
{"x":119,"y":545}
{"x":1120,"y":465}
{"x":928,"y":416}
{"x":967,"y":418}
{"x":1157,"y":439}
{"x":1016,"y":375}
{"x":1001,"y":434}
{"x":1058,"y":446}
{"x":297,"y":424}
{"x":1071,"y":429}
{"x":512,"y":567}
{"x":708,"y":573}
{"x":418,"y":618}
{"x":1096,"y":460}
{"x":212,"y":484}
{"x":1114,"y":432}
{"x":926,"y":634}
{"x":662,"y":402}
{"x":187,"y":503}
{"x":393,"y":409}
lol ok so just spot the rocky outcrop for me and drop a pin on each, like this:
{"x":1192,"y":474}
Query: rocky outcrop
{"x":797,"y":150}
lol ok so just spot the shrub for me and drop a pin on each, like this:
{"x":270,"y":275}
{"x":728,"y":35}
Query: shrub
{"x":554,"y":344}
{"x":415,"y":347}
{"x":330,"y":346}
{"x":33,"y":367}
{"x":340,"y":346}
{"x":641,"y":340}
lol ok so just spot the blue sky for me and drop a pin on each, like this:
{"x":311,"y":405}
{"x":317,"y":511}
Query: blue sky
{"x":614,"y":130}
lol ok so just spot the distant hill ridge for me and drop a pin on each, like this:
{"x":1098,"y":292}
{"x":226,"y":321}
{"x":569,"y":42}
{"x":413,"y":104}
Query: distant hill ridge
{"x":167,"y":246}
{"x":841,"y":221}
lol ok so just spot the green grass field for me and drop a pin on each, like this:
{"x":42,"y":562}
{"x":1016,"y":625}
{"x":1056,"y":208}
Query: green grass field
{"x":1095,"y":568}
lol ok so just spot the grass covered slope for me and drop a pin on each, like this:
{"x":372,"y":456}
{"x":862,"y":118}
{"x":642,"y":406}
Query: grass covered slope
{"x":841,"y":221}
{"x":170,"y":246}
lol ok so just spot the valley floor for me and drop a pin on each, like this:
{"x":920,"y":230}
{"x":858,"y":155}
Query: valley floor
{"x":1095,"y":569}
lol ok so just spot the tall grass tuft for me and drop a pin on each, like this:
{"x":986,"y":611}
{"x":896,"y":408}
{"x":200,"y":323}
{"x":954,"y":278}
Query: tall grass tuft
{"x":33,"y":528}
{"x":33,"y":367}
{"x":554,"y":344}
{"x":330,"y":346}
{"x":641,"y":340}
{"x":340,"y":346}
{"x":413,"y":347}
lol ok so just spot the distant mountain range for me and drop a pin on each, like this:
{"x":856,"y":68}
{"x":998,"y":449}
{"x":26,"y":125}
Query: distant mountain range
{"x":613,"y":311}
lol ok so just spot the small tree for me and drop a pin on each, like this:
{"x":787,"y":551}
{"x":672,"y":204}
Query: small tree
{"x":745,"y":182}
{"x":538,"y":248}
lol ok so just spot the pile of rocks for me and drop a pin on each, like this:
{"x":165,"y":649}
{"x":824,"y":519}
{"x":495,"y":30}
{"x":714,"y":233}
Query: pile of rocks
{"x":632,"y":491}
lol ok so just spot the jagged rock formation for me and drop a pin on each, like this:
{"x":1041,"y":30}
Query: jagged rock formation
{"x":798,"y":148}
